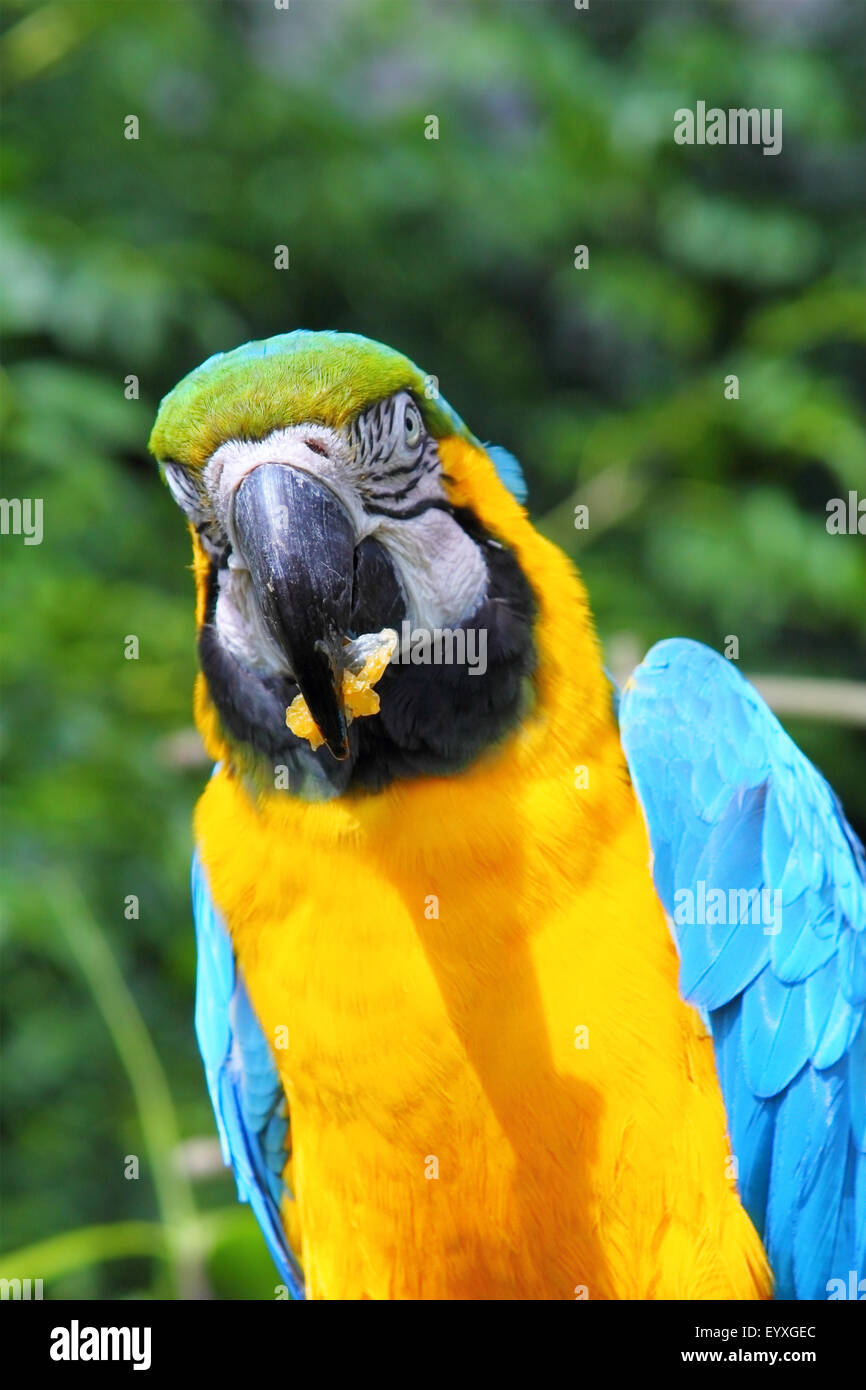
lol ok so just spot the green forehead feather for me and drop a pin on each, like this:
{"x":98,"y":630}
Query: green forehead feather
{"x":292,"y":379}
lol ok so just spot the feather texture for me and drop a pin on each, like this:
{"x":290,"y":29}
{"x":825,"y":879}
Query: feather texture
{"x":731,"y":804}
{"x":245,"y":1089}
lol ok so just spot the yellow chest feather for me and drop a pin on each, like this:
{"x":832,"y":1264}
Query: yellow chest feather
{"x":495,"y":1090}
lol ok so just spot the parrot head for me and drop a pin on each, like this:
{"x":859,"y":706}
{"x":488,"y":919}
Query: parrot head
{"x":333,"y":495}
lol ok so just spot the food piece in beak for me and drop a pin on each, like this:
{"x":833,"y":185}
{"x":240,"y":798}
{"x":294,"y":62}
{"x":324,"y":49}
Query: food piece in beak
{"x":365,"y":661}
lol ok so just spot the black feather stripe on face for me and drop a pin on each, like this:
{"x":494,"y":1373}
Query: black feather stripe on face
{"x":192,"y":498}
{"x":393,"y":468}
{"x":183,"y":488}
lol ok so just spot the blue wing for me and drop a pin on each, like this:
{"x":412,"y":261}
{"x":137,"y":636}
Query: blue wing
{"x":733,"y":805}
{"x":245,"y":1089}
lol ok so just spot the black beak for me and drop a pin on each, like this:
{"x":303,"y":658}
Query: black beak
{"x":298,"y":541}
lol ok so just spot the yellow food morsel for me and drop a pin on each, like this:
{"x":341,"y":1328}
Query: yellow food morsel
{"x":359,"y":697}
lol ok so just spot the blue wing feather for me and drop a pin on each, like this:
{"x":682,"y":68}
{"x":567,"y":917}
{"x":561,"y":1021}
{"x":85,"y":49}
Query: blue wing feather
{"x":245,"y":1089}
{"x":509,"y":470}
{"x":731,"y":803}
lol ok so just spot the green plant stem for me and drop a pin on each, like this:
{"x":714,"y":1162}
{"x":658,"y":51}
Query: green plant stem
{"x":141,"y":1062}
{"x":89,"y":1245}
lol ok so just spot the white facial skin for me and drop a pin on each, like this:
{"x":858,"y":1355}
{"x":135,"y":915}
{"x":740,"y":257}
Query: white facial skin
{"x":367,"y":466}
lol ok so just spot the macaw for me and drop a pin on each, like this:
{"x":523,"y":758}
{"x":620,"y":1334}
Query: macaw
{"x":478,"y":1018}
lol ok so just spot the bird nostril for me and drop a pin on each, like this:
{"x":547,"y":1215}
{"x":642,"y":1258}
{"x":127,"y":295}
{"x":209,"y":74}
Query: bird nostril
{"x":316,"y":446}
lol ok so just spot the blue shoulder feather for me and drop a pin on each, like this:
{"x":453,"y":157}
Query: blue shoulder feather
{"x":732,"y":804}
{"x":245,"y":1089}
{"x":509,"y":470}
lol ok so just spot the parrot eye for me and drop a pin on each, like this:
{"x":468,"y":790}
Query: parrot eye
{"x":412,"y":425}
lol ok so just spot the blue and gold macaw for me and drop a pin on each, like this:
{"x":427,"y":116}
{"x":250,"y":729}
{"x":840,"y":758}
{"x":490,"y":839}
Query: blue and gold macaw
{"x":453,"y":1048}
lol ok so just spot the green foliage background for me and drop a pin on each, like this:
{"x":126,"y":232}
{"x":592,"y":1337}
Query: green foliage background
{"x":306,"y":127}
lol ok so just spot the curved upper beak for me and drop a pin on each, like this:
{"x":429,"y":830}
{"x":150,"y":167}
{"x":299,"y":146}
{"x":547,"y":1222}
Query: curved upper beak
{"x":298,"y":542}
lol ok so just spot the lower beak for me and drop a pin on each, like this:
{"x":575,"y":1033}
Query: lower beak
{"x":298,"y":542}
